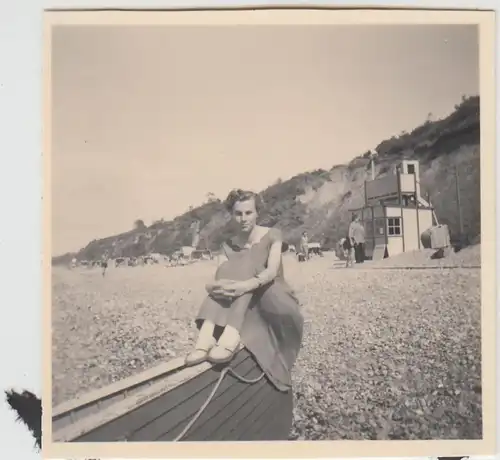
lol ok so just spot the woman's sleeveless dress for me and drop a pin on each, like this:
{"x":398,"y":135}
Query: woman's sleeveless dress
{"x":272,"y":327}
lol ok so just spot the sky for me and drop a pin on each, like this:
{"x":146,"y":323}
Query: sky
{"x":147,"y":120}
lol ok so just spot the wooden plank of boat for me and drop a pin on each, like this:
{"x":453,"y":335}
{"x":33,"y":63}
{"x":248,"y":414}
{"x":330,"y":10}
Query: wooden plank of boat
{"x":167,"y":403}
{"x":120,"y":387}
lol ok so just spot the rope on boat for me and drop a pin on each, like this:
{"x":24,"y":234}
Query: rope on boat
{"x":226,"y":370}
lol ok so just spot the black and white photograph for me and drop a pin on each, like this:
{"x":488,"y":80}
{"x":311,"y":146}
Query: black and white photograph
{"x":270,"y":232}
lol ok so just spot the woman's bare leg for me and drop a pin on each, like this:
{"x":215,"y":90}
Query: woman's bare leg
{"x":206,"y":335}
{"x":230,"y":338}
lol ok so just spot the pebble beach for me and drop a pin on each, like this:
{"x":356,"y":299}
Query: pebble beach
{"x":389,"y":352}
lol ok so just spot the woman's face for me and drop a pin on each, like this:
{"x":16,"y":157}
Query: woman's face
{"x":245,"y":215}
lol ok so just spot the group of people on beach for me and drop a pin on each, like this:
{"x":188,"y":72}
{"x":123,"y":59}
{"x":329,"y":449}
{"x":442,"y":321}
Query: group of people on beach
{"x":353,"y":244}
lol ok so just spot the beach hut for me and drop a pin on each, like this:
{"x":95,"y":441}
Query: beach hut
{"x":395,"y":214}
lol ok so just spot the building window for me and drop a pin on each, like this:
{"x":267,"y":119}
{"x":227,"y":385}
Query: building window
{"x":411,"y":169}
{"x":394,"y":226}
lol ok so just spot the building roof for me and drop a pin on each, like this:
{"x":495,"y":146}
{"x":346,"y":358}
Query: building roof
{"x":396,"y":206}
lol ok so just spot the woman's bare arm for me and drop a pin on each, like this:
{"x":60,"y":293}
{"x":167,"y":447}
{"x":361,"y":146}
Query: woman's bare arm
{"x":268,"y":275}
{"x":273,"y":263}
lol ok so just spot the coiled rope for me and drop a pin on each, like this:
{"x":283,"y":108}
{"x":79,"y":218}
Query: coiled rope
{"x":226,"y":370}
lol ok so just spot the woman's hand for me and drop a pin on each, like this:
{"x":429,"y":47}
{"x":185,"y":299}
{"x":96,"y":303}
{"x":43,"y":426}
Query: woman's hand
{"x":219,"y":284}
{"x":219,"y":289}
{"x":238,"y":288}
{"x":210,"y":287}
{"x":232,"y":289}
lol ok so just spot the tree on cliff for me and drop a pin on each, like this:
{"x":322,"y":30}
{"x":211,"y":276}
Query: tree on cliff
{"x":139,"y":224}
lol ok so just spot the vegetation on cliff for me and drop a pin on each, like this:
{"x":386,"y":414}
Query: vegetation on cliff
{"x":319,"y":201}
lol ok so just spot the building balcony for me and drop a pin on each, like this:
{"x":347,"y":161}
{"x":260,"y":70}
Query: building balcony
{"x":388,"y":187}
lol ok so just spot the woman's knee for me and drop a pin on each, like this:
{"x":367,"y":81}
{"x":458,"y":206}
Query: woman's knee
{"x":235,"y":274}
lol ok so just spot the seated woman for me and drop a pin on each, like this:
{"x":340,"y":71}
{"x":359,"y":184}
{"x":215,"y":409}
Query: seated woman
{"x":250,"y":298}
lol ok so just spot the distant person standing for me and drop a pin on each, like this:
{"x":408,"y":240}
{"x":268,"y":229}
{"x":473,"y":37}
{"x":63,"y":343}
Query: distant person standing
{"x":347,"y":246}
{"x":357,"y":234}
{"x":304,"y":245}
{"x":104,"y":263}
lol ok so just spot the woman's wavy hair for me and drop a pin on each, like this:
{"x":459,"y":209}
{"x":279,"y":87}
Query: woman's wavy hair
{"x":242,"y":195}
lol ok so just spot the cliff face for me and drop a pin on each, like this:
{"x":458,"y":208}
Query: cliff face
{"x":319,"y":201}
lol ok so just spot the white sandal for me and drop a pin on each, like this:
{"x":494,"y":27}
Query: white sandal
{"x":221,"y":354}
{"x":199,"y":354}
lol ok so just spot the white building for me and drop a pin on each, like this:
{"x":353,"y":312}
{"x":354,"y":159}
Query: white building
{"x":395,"y":214}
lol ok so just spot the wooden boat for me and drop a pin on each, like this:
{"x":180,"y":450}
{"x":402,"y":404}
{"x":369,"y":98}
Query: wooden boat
{"x":172,"y":402}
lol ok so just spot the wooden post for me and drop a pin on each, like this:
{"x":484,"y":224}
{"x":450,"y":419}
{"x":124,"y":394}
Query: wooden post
{"x":386,"y":224}
{"x":400,"y":199}
{"x":373,"y":229}
{"x":417,"y":209}
{"x":459,"y":205}
{"x":400,"y":193}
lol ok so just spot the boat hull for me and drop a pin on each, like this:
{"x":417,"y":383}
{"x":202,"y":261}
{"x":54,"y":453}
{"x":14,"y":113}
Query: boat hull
{"x":250,"y":410}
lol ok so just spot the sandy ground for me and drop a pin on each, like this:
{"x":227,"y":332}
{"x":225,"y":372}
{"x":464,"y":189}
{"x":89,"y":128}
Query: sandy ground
{"x":387,"y":353}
